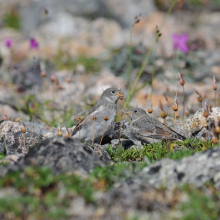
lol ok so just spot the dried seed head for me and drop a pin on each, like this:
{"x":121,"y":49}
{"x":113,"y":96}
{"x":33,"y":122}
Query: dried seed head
{"x":121,"y":112}
{"x":94,"y":118}
{"x":60,"y":133}
{"x":214,"y":83}
{"x":182,"y":81}
{"x":163,"y":114}
{"x":17,"y":119}
{"x":150,"y":109}
{"x":215,"y":140}
{"x":23,"y":129}
{"x":205,"y":110}
{"x":175,"y":105}
{"x":217,"y":129}
{"x":43,"y":74}
{"x":186,"y":111}
{"x":68,"y":135}
{"x":79,"y":119}
{"x":206,"y":114}
{"x":199,"y":96}
{"x":106,"y":118}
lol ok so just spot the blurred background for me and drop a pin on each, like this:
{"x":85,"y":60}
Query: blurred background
{"x":57,"y":56}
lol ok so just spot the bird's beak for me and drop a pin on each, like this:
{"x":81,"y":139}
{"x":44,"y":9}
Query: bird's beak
{"x":121,"y":96}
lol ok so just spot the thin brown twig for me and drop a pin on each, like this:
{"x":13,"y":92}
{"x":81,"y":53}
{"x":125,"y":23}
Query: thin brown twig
{"x":106,"y":119}
{"x":93,"y":135}
{"x":121,"y":113}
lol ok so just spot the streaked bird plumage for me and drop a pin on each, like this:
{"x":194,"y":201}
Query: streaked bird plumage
{"x":148,"y":129}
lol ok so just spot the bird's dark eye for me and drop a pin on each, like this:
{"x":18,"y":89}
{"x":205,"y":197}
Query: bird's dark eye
{"x":113,"y":92}
{"x":135,"y":111}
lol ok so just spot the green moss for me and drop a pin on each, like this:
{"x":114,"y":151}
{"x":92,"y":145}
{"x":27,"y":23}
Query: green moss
{"x":200,"y":204}
{"x":158,"y":151}
{"x":2,"y":156}
{"x":12,"y":20}
{"x":64,"y":60}
{"x":39,"y":194}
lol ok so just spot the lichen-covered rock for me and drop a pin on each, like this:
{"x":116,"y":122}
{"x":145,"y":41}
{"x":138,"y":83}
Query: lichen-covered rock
{"x":193,"y":127}
{"x":61,"y":155}
{"x":16,"y":142}
{"x":198,"y":121}
{"x":196,"y":169}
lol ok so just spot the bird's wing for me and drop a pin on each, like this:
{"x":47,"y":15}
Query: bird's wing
{"x":92,"y":113}
{"x":152,"y":128}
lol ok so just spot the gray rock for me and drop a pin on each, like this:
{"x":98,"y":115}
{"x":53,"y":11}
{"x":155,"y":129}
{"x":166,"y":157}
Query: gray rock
{"x":61,"y":155}
{"x":122,"y":11}
{"x":13,"y":138}
{"x":196,"y":169}
{"x":126,"y":143}
{"x":2,"y":148}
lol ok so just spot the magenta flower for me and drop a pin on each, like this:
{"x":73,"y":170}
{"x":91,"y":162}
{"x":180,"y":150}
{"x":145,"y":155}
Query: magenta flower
{"x":34,"y":44}
{"x":8,"y":42}
{"x":180,"y":42}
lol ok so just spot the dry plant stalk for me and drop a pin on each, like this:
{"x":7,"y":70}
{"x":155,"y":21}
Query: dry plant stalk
{"x":206,"y":114}
{"x":215,"y":89}
{"x":121,"y":114}
{"x":163,"y":115}
{"x":175,"y":108}
{"x":79,"y":119}
{"x":60,"y":133}
{"x":106,"y":119}
{"x":68,"y":135}
{"x":93,"y":135}
{"x":23,"y":129}
{"x":182,"y":83}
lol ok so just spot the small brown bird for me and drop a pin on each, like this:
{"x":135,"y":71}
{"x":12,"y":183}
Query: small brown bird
{"x":105,"y":108}
{"x":148,"y":129}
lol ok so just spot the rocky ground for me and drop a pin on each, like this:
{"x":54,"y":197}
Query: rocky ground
{"x":56,"y":59}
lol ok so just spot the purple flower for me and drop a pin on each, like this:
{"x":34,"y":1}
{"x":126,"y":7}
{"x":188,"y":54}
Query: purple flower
{"x":180,"y":42}
{"x":34,"y":44}
{"x":8,"y":42}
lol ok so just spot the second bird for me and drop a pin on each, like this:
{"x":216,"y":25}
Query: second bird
{"x":148,"y":129}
